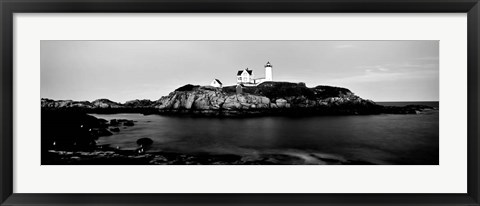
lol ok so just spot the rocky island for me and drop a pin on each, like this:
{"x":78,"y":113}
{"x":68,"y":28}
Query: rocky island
{"x":268,"y":98}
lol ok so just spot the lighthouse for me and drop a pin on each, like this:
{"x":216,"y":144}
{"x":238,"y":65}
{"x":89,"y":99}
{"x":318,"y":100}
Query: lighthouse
{"x":268,"y":72}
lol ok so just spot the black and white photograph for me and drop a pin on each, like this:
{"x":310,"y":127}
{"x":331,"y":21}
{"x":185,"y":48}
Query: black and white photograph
{"x":239,"y":102}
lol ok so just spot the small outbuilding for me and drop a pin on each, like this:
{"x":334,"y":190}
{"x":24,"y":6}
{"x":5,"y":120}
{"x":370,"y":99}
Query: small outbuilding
{"x":216,"y":83}
{"x":239,"y":88}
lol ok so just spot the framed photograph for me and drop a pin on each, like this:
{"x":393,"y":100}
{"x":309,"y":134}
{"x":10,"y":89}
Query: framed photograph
{"x":263,"y":102}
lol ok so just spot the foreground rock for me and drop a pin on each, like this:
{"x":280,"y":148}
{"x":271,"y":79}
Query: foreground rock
{"x":144,"y":142}
{"x":109,"y":156}
{"x":73,"y":131}
{"x":119,"y":122}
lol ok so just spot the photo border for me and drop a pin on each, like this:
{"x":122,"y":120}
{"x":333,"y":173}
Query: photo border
{"x":9,"y":7}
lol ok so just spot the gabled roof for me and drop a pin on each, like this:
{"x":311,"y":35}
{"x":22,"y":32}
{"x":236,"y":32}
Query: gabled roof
{"x":241,"y":71}
{"x":218,"y":81}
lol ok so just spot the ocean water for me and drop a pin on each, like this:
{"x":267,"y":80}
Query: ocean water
{"x":380,"y":139}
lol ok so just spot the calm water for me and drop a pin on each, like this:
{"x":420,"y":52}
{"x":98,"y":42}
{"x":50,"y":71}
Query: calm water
{"x":382,"y":139}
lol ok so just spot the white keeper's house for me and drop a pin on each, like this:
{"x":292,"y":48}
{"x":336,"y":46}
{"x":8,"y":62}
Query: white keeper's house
{"x":246,"y":78}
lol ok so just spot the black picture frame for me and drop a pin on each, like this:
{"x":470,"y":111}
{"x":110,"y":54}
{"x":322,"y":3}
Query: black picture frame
{"x":9,"y":7}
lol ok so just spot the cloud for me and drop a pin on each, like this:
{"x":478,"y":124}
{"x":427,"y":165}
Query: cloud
{"x":391,"y":72}
{"x":343,"y":46}
{"x":375,"y":68}
{"x":429,"y":58}
{"x":383,"y":69}
{"x":407,"y":66}
{"x":371,"y":77}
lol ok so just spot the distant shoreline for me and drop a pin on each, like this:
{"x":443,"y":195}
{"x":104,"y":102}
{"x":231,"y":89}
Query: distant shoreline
{"x":435,"y":104}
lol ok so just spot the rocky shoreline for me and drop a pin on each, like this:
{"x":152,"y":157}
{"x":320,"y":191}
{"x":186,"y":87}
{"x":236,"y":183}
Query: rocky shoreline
{"x":104,"y":155}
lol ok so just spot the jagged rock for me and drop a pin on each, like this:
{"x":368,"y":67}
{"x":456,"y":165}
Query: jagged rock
{"x":117,"y":122}
{"x":231,"y":102}
{"x":281,"y":103}
{"x":115,"y":129}
{"x":189,"y":101}
{"x":114,"y":122}
{"x":100,"y":132}
{"x":144,"y":103}
{"x":105,"y":103}
{"x":201,"y":103}
{"x":128,"y":123}
{"x":49,"y":103}
{"x":144,"y":142}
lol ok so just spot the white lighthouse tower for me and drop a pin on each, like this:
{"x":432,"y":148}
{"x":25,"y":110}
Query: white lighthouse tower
{"x":268,"y":72}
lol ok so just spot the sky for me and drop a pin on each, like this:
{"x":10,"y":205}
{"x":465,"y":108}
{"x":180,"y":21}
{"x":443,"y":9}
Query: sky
{"x":128,"y":70}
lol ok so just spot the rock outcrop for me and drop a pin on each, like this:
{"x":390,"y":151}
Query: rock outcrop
{"x":105,"y":103}
{"x":210,"y":99}
{"x":269,"y":97}
{"x":99,"y":103}
{"x":71,"y":130}
{"x":49,"y":103}
{"x":144,"y":103}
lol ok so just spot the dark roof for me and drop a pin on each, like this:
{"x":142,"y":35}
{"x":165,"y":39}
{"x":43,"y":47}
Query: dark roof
{"x":240,"y":72}
{"x":218,"y":81}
